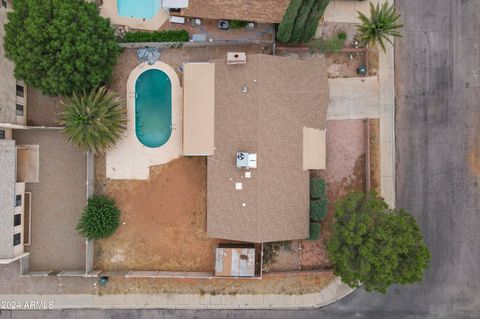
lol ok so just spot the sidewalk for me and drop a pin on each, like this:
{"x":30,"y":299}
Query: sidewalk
{"x":370,"y":97}
{"x":333,"y":292}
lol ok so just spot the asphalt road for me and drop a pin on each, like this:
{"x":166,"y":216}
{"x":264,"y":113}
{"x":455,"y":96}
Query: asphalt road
{"x":438,"y":171}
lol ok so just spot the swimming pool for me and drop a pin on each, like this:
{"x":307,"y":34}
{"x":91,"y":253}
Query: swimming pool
{"x":144,"y":9}
{"x":153,"y":108}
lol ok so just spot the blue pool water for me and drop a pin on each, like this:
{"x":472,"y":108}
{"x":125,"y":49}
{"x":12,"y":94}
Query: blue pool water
{"x":144,"y":9}
{"x":153,"y":108}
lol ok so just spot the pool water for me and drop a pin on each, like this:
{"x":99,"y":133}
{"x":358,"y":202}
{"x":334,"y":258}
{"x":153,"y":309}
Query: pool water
{"x":153,"y":108}
{"x":144,"y":9}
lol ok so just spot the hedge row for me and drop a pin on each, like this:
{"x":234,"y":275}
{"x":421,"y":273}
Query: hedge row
{"x":318,"y":199}
{"x":314,"y":231}
{"x":157,"y":36}
{"x":300,"y":21}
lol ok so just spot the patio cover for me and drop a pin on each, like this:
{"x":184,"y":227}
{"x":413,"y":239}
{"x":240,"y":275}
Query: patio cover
{"x":198,"y":109}
{"x":314,"y":148}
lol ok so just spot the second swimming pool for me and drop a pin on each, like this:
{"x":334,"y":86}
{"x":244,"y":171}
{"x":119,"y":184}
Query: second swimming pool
{"x":143,"y":9}
{"x":153,"y":108}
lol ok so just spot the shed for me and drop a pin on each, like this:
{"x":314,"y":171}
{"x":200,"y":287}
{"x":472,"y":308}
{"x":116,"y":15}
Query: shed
{"x":235,"y":262}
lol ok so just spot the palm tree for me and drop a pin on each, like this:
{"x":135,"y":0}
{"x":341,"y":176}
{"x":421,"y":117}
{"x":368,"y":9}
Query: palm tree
{"x":94,"y":121}
{"x":379,"y":26}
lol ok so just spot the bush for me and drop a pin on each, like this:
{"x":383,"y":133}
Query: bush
{"x":100,"y":218}
{"x":157,"y":36}
{"x":237,"y":24}
{"x":318,"y":209}
{"x":317,"y":188}
{"x":333,"y":44}
{"x":60,"y":46}
{"x":314,"y":231}
{"x":311,"y":24}
{"x":270,"y":251}
{"x":286,"y":26}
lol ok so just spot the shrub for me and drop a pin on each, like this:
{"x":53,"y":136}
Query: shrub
{"x":333,"y":44}
{"x":94,"y":121}
{"x":374,"y":245}
{"x":157,"y":36}
{"x":314,"y":231}
{"x":318,"y":209}
{"x":302,"y":16}
{"x":342,"y":35}
{"x":60,"y":46}
{"x":317,"y":188}
{"x":100,"y":218}
{"x":286,"y":26}
{"x":237,"y":24}
{"x":313,"y":19}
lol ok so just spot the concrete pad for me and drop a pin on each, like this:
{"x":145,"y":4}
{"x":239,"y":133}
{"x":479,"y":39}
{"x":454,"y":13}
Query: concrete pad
{"x":346,"y":10}
{"x":354,"y":98}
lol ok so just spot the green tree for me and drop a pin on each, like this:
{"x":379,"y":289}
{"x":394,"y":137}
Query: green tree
{"x":94,"y":121}
{"x":311,"y":24}
{"x":60,"y":46}
{"x":288,"y":22}
{"x":374,"y":245}
{"x":380,"y":26}
{"x":100,"y":218}
{"x":302,"y":16}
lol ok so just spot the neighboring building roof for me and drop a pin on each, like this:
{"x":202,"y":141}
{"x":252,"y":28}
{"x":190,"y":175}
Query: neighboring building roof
{"x":7,"y":196}
{"x":262,"y":11}
{"x":235,"y":262}
{"x":7,"y":80}
{"x":314,"y":148}
{"x":262,"y":107}
{"x":198,"y":108}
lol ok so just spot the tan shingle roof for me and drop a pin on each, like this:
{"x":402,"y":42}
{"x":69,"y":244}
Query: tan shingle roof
{"x":283,"y":96}
{"x":262,"y":11}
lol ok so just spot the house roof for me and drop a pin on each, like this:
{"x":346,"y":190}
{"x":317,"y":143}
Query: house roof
{"x":7,"y":80}
{"x":314,"y":148}
{"x":262,"y":11}
{"x":198,"y":108}
{"x":262,"y":107}
{"x":7,"y":196}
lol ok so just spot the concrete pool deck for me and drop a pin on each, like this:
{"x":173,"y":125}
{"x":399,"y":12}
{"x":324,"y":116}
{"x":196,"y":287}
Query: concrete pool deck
{"x":132,"y":160}
{"x":109,"y":10}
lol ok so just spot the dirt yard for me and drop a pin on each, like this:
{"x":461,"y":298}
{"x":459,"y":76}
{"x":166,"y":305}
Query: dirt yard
{"x":163,"y":221}
{"x":289,"y":283}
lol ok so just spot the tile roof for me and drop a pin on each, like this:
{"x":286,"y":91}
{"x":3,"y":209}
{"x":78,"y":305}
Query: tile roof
{"x":262,"y":11}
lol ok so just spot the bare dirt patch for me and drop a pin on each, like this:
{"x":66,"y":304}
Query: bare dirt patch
{"x":163,"y":221}
{"x":288,"y":283}
{"x":374,"y":143}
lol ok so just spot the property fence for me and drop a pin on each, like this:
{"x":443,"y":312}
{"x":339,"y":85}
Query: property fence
{"x":199,"y":44}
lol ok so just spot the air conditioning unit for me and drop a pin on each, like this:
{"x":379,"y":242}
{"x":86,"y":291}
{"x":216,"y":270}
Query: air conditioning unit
{"x":246,"y":160}
{"x":236,"y":58}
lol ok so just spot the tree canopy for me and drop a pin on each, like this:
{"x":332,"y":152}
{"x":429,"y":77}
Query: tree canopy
{"x":380,"y":26}
{"x":94,"y":121}
{"x":374,"y":245}
{"x":60,"y":46}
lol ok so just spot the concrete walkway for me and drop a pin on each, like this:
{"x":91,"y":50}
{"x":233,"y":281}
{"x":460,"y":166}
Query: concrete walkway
{"x":333,"y":292}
